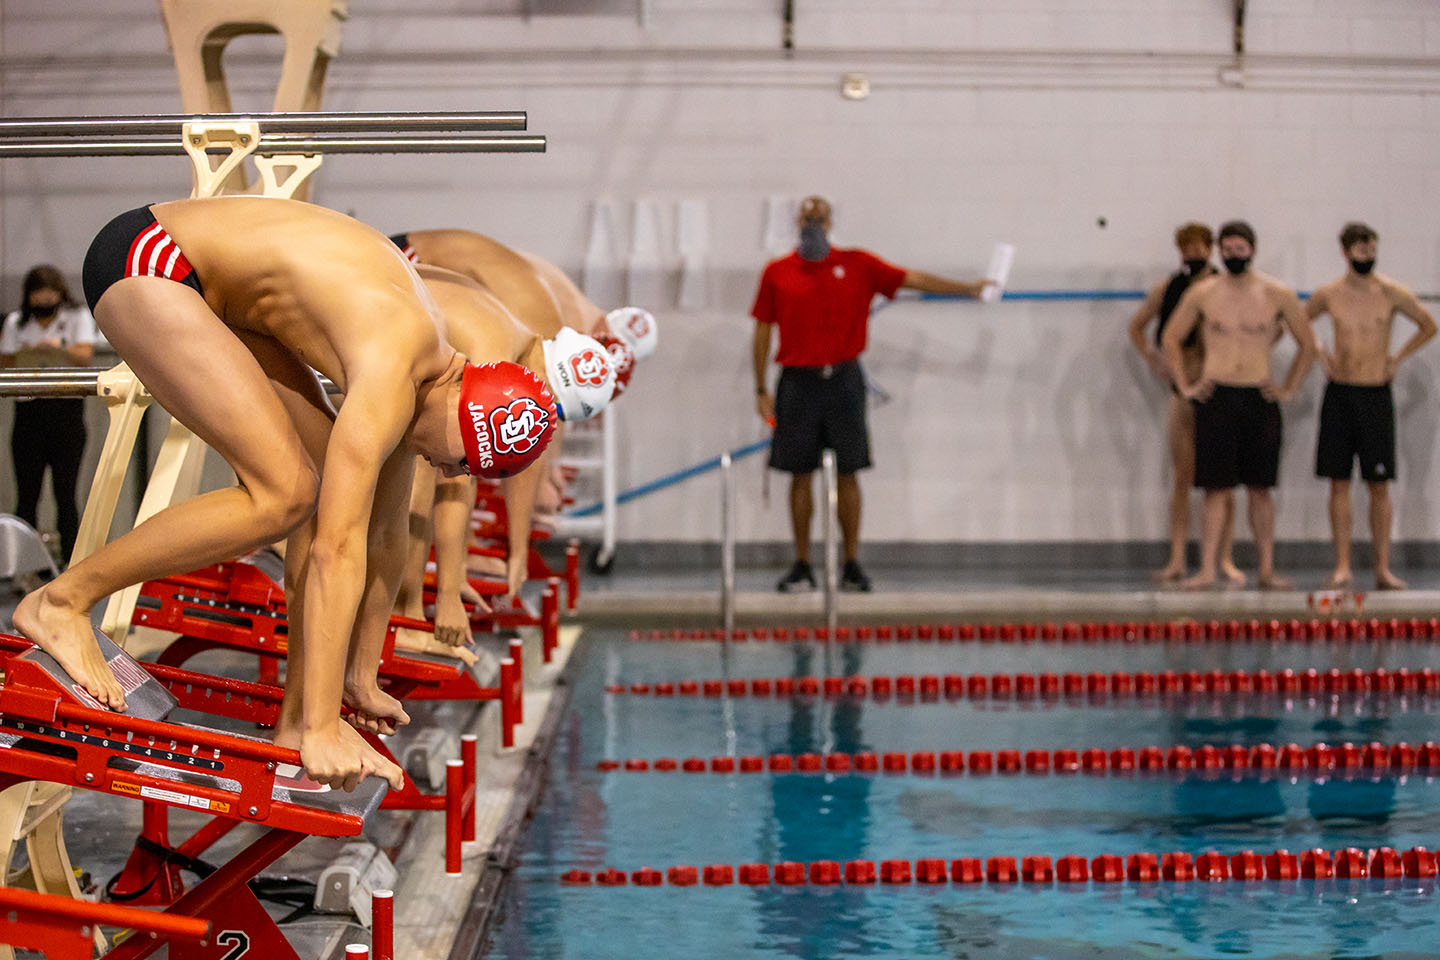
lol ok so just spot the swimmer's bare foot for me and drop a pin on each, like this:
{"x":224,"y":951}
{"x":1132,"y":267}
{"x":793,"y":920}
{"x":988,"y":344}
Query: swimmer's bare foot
{"x":1234,"y":574}
{"x":375,"y":710}
{"x":1340,"y":579}
{"x":1385,"y":580}
{"x":1168,"y":573}
{"x":68,"y":636}
{"x":416,"y":641}
{"x":1275,"y":582}
{"x":1201,"y":581}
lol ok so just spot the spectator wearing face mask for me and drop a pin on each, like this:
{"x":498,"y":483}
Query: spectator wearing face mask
{"x":819,"y":299}
{"x":1357,"y":417}
{"x":51,"y":329}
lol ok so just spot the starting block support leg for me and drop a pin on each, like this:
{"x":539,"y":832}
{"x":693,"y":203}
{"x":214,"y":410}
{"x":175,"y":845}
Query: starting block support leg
{"x":550,"y":618}
{"x":236,"y":916}
{"x":572,"y":575}
{"x":469,"y":773}
{"x":382,"y":925}
{"x":149,"y":877}
{"x":454,"y":811}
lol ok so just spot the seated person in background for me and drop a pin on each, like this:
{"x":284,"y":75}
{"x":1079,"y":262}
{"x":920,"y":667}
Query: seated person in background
{"x":1237,"y":405}
{"x":49,"y":330}
{"x":1357,"y":417}
{"x":1195,"y":243}
{"x":225,"y":308}
{"x":577,"y":370}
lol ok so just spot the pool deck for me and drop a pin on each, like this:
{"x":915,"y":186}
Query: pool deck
{"x":446,"y":918}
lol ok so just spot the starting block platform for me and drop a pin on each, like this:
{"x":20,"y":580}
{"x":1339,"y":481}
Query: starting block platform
{"x":51,"y":730}
{"x":237,"y":606}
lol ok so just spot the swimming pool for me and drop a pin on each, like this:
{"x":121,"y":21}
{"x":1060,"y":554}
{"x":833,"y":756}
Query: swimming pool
{"x":595,"y":819}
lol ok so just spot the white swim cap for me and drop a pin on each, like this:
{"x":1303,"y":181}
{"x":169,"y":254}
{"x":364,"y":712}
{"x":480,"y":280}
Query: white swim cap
{"x":636,"y":326}
{"x":581,"y":374}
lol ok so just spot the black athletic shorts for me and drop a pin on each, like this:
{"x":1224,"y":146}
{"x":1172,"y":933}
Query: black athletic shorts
{"x":1356,"y":421}
{"x":1237,"y":439}
{"x":816,"y":408}
{"x":134,"y":245}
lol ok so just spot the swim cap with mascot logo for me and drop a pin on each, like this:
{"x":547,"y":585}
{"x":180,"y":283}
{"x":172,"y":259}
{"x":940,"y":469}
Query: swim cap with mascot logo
{"x":622,"y":359}
{"x":507,"y":416}
{"x":580,"y":374}
{"x":636,"y":326}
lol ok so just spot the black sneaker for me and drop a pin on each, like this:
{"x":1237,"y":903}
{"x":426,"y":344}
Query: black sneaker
{"x":853,"y":579}
{"x":799,"y":578}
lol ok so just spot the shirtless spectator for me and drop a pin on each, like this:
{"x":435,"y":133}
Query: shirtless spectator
{"x":1357,"y":417}
{"x":227,"y":336}
{"x":1237,"y":404}
{"x":1195,"y":243}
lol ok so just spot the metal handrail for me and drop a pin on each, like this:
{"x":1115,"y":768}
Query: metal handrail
{"x":33,"y":382}
{"x":162,"y":146}
{"x":292,"y":123}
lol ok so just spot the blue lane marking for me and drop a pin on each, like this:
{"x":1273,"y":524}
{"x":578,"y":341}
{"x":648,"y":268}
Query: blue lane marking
{"x":671,"y":479}
{"x":680,"y":476}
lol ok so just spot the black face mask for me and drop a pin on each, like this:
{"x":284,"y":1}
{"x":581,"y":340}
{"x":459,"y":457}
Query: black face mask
{"x":1362,"y":267}
{"x":814,"y":245}
{"x":1196,"y":267}
{"x":1237,"y":265}
{"x":44,"y":313}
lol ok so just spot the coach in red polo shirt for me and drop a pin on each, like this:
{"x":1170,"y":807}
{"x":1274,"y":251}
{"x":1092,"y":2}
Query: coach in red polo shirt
{"x":819,"y":298}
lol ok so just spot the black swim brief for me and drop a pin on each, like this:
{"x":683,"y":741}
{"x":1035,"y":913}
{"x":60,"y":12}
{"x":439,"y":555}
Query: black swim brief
{"x":1237,"y":439}
{"x":1356,"y":421}
{"x":402,"y":240}
{"x":134,"y":245}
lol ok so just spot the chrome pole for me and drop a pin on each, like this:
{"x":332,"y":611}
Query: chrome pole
{"x":164,"y":146}
{"x":727,"y":544}
{"x":832,"y":553}
{"x":339,"y":122}
{"x":27,"y":382}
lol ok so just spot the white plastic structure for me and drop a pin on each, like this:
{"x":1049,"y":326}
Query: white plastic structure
{"x":21,"y":549}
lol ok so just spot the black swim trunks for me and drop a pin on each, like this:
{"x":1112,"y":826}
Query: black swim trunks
{"x":816,"y":408}
{"x":402,"y":240}
{"x":1180,"y":281}
{"x":1237,"y":439}
{"x":134,"y":245}
{"x":1356,"y":421}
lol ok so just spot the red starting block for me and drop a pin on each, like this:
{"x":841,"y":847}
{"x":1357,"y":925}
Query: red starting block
{"x":50,"y":729}
{"x":61,"y":928}
{"x":237,"y":606}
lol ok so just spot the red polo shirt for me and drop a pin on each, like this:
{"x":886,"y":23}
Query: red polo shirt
{"x":823,"y":308}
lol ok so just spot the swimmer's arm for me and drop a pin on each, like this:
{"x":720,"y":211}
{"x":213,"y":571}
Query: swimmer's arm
{"x":929,"y":283}
{"x":1185,"y":319}
{"x":1148,"y":310}
{"x":1317,"y":306}
{"x":519,"y":492}
{"x":1298,"y":323}
{"x":1409,"y":305}
{"x":367,"y":430}
{"x":454,"y":501}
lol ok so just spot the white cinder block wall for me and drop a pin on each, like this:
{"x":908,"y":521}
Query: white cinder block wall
{"x":1081,"y":132}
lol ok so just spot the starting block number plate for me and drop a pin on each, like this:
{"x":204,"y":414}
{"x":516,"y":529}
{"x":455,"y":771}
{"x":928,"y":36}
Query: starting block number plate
{"x":140,"y":750}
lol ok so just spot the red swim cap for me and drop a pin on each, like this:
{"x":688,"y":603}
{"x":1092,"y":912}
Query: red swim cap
{"x":622,"y":360}
{"x":507,"y":416}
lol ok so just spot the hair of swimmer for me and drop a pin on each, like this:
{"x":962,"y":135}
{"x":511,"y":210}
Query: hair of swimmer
{"x":1194,"y":233}
{"x":1357,"y":232}
{"x":815,"y":208}
{"x":1237,"y":228}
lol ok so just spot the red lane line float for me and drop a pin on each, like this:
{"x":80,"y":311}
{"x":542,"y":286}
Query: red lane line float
{"x":1330,"y":627}
{"x":1345,"y":760}
{"x":1176,"y":866}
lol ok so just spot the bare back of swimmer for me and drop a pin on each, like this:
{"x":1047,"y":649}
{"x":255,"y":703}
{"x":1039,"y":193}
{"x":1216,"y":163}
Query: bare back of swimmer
{"x":222,"y":307}
{"x":506,"y":273}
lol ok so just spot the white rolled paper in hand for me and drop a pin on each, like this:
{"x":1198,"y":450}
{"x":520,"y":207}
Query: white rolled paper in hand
{"x":999,"y":272}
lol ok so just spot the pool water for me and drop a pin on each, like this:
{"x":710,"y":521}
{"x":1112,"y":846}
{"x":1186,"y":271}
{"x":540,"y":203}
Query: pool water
{"x":593,"y":820}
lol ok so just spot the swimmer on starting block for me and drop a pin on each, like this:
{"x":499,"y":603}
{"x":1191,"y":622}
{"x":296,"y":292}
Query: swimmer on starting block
{"x":540,"y":296}
{"x":579,"y":373}
{"x":222,"y":307}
